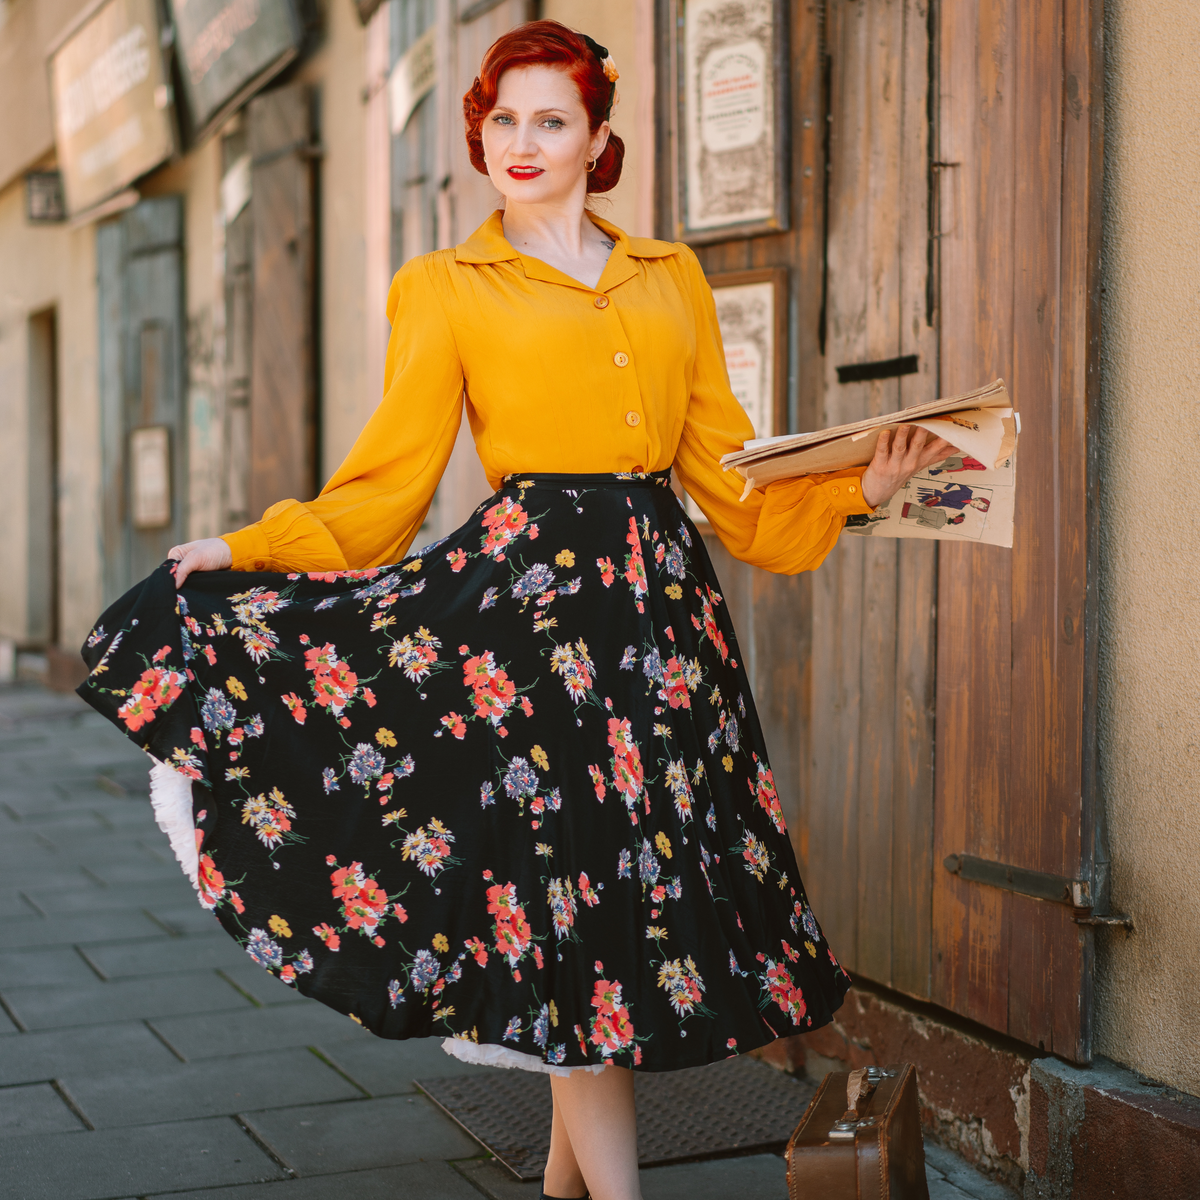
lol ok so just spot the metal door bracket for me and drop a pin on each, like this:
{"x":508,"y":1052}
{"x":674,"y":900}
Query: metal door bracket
{"x":1058,"y":889}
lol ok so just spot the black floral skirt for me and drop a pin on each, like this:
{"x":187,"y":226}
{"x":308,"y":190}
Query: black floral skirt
{"x":512,"y":789}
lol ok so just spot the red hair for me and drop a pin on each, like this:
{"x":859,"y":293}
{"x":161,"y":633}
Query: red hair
{"x":547,"y":44}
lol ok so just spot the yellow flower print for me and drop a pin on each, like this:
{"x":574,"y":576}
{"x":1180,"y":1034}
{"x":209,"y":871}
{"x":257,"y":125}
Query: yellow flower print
{"x":553,"y":1014}
{"x":727,"y":762}
{"x":415,"y":565}
{"x":811,"y":949}
{"x":357,"y":1020}
{"x":674,"y":591}
{"x":663,"y":843}
{"x":279,"y":927}
{"x":539,"y":756}
{"x":657,"y":932}
{"x":235,"y":688}
{"x":441,"y":943}
{"x":385,"y":737}
{"x":565,"y":558}
{"x":543,"y":849}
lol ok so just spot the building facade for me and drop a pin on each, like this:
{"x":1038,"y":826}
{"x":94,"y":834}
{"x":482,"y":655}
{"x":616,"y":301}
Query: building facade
{"x":934,"y":192}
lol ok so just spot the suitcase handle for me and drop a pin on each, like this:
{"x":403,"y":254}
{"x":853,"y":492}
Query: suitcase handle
{"x":859,"y":1087}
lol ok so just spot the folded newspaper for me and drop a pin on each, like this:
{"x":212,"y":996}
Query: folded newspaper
{"x":967,"y":497}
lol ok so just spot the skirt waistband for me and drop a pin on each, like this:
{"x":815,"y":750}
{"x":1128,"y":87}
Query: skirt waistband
{"x":541,"y":479}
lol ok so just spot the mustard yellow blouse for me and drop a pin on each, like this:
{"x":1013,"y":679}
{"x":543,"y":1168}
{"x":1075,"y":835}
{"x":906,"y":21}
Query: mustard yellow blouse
{"x":558,"y":377}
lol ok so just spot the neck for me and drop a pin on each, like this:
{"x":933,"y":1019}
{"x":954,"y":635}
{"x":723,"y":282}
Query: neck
{"x":564,"y":225}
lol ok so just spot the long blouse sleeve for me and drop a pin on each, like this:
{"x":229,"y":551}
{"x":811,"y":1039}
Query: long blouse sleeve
{"x":370,"y":510}
{"x":787,"y":527}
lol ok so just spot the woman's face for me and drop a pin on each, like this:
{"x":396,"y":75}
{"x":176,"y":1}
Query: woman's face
{"x":536,"y":140}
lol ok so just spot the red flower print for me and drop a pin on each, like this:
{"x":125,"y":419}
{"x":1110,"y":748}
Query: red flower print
{"x":157,"y":688}
{"x":210,"y":881}
{"x":598,"y":782}
{"x":764,"y":789}
{"x":708,"y":605}
{"x":511,"y":930}
{"x":328,"y":935}
{"x":503,"y":522}
{"x":478,"y":950}
{"x":612,"y":1030}
{"x":635,"y":565}
{"x":160,"y":655}
{"x":607,"y":571}
{"x":197,"y":738}
{"x":457,"y":560}
{"x":456,"y":725}
{"x":784,"y":992}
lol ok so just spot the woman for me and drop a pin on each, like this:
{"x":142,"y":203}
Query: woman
{"x":512,"y":792}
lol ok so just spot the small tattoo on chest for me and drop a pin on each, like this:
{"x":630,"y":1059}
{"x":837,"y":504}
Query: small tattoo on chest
{"x":608,"y":245}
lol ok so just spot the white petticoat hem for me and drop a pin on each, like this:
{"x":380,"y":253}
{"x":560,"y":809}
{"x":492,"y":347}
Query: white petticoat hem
{"x":171,"y":796}
{"x":502,"y":1056}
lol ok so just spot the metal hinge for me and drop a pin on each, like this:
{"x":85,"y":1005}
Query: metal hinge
{"x":1057,"y":889}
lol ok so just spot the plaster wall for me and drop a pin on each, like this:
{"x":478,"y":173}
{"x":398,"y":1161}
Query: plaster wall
{"x":1149,"y":719}
{"x":42,"y":267}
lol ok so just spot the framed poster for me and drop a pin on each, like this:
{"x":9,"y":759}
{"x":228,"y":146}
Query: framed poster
{"x":752,"y":309}
{"x":731,"y":118}
{"x":228,"y":49}
{"x":112,"y":120}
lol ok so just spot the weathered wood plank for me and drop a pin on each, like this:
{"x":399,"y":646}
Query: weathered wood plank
{"x":977,"y":132}
{"x":283,"y":379}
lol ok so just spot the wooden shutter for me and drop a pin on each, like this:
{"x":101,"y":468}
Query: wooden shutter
{"x":283,"y":388}
{"x":140,"y":290}
{"x":1020,"y":136}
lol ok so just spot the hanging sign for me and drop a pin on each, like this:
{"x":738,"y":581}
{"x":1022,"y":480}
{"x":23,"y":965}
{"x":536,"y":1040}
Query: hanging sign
{"x":413,"y":78}
{"x":731,"y":119}
{"x":228,"y":49}
{"x":111,"y":101}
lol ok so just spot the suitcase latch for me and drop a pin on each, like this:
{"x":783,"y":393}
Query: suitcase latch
{"x":844,"y":1131}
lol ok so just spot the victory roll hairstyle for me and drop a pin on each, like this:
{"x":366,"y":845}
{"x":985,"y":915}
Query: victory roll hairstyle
{"x":549,"y":44}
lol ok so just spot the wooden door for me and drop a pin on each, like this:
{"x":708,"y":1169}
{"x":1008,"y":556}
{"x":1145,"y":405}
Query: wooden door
{"x":931,"y":706}
{"x":1020,"y":128}
{"x":283,"y":384}
{"x":140,"y":288}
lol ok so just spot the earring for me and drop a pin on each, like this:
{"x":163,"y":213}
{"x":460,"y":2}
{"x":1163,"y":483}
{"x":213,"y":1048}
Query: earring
{"x":592,"y":167}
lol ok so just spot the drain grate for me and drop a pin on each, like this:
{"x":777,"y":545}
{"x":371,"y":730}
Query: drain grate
{"x":740,"y":1106}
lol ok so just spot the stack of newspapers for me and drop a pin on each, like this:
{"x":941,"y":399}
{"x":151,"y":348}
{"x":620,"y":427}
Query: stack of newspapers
{"x":967,"y":497}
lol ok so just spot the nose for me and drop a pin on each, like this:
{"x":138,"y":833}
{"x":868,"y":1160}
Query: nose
{"x":524,"y":143}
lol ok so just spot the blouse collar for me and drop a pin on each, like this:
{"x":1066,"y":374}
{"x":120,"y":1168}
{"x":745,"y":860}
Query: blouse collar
{"x":489,"y":245}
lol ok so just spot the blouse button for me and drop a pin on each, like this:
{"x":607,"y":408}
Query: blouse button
{"x":621,"y":358}
{"x":639,"y":469}
{"x":853,"y":489}
{"x":835,"y":489}
{"x":632,"y":419}
{"x":259,"y":564}
{"x":601,"y":302}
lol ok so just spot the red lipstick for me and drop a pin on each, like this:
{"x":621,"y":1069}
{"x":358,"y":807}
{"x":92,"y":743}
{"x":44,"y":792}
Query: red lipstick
{"x":525,"y":172}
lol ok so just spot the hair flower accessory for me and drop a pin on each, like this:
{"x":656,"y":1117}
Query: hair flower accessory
{"x":610,"y":69}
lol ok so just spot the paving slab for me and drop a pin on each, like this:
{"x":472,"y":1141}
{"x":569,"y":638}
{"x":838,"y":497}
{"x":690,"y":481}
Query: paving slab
{"x":219,"y":1035}
{"x":328,"y":1138}
{"x":86,"y":927}
{"x":949,"y":1171}
{"x":98,"y":1003}
{"x":91,"y":897}
{"x":261,"y":985}
{"x":13,"y":903}
{"x":387,"y":1068}
{"x":31,"y":1057}
{"x":184,"y":918}
{"x":163,"y":956}
{"x":132,"y":1162}
{"x":34,"y":1108}
{"x":418,"y":1181}
{"x":109,"y":872}
{"x":218,"y":1087}
{"x":59,"y":965}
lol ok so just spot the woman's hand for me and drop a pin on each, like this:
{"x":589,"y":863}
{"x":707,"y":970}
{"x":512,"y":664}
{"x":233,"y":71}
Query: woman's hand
{"x":211,"y":554}
{"x":898,"y":457}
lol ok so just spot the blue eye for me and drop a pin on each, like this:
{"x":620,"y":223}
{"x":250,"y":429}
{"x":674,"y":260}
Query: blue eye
{"x":502,"y":118}
{"x":554,"y":123}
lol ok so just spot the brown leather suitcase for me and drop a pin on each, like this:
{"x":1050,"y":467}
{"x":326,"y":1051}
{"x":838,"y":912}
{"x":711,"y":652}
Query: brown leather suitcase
{"x":860,"y":1139}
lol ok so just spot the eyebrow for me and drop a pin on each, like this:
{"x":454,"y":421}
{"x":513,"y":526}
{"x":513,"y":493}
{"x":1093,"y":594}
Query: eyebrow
{"x":541,"y":112}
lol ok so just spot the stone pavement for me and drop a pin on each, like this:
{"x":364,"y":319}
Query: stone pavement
{"x":142,"y":1054}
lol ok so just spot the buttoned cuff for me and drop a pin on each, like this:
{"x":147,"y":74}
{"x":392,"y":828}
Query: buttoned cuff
{"x":250,"y":548}
{"x":843,"y":490}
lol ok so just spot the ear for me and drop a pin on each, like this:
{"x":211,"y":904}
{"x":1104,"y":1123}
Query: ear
{"x":599,"y":140}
